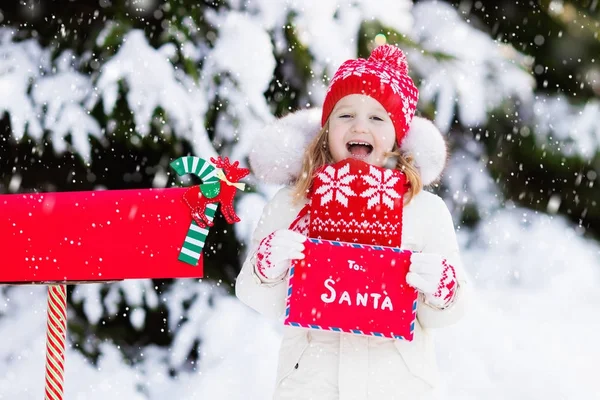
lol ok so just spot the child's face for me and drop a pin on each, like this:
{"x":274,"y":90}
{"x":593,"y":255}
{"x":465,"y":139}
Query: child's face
{"x":359,"y":127}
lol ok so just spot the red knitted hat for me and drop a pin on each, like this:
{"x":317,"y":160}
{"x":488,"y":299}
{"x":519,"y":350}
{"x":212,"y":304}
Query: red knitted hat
{"x":384,"y":77}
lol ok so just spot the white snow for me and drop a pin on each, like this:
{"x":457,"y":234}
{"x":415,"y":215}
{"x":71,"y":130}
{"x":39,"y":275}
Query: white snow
{"x":574,"y":129}
{"x":244,"y":62}
{"x":23,"y":356}
{"x":153,"y":82}
{"x":19,"y":64}
{"x":244,"y":50}
{"x":476,"y":79}
{"x":469,"y":183}
{"x":135,"y":293}
{"x":530,"y":334}
{"x":62,"y":95}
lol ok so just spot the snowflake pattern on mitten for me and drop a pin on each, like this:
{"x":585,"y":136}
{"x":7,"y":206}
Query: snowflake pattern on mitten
{"x":447,"y":287}
{"x":263,"y":253}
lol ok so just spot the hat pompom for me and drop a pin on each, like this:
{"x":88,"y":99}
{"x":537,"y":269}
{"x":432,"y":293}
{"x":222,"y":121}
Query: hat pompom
{"x":390,"y":55}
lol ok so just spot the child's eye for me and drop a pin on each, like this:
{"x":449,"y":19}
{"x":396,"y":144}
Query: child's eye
{"x":376,"y":118}
{"x":346,"y":116}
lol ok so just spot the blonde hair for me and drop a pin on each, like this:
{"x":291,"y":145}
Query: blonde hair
{"x":317,"y":154}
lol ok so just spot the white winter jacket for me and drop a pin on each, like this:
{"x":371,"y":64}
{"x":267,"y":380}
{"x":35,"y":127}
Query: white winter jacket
{"x":329,"y":365}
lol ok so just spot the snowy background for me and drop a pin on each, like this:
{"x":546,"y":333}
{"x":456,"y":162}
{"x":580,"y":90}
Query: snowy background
{"x":531,"y":331}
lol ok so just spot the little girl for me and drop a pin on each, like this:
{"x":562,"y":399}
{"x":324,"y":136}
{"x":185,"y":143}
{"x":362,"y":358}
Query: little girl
{"x":368,"y":114}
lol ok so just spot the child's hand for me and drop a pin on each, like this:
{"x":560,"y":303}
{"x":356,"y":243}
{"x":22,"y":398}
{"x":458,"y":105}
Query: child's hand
{"x":433,"y":276}
{"x":275,"y":252}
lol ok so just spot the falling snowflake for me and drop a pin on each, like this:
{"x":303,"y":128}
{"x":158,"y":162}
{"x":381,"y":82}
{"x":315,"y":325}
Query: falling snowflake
{"x":336,"y":184}
{"x":381,"y":190}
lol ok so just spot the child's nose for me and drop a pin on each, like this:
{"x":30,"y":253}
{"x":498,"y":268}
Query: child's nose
{"x":359,"y":126}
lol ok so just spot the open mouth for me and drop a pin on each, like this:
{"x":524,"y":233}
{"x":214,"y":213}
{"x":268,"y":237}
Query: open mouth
{"x":359,"y":149}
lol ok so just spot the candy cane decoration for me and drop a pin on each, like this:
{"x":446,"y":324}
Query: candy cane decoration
{"x":197,"y":166}
{"x":195,"y":239}
{"x":196,"y":236}
{"x":55,"y":341}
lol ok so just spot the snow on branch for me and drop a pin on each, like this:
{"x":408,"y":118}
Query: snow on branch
{"x":19,"y":67}
{"x":41,"y":97}
{"x":479,"y":75}
{"x":328,"y":29}
{"x":577,"y":127}
{"x":63,"y":95}
{"x":243,"y":62}
{"x":152,"y":82}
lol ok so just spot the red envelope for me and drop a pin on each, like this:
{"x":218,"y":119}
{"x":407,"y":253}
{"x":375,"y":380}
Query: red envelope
{"x":346,"y":287}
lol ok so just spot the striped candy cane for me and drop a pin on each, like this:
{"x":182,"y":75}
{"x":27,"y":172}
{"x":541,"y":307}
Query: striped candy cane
{"x":197,"y":166}
{"x":196,"y":237}
{"x":55,"y":341}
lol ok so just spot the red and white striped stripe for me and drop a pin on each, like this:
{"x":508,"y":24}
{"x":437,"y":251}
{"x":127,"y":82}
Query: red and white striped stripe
{"x":55,"y":341}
